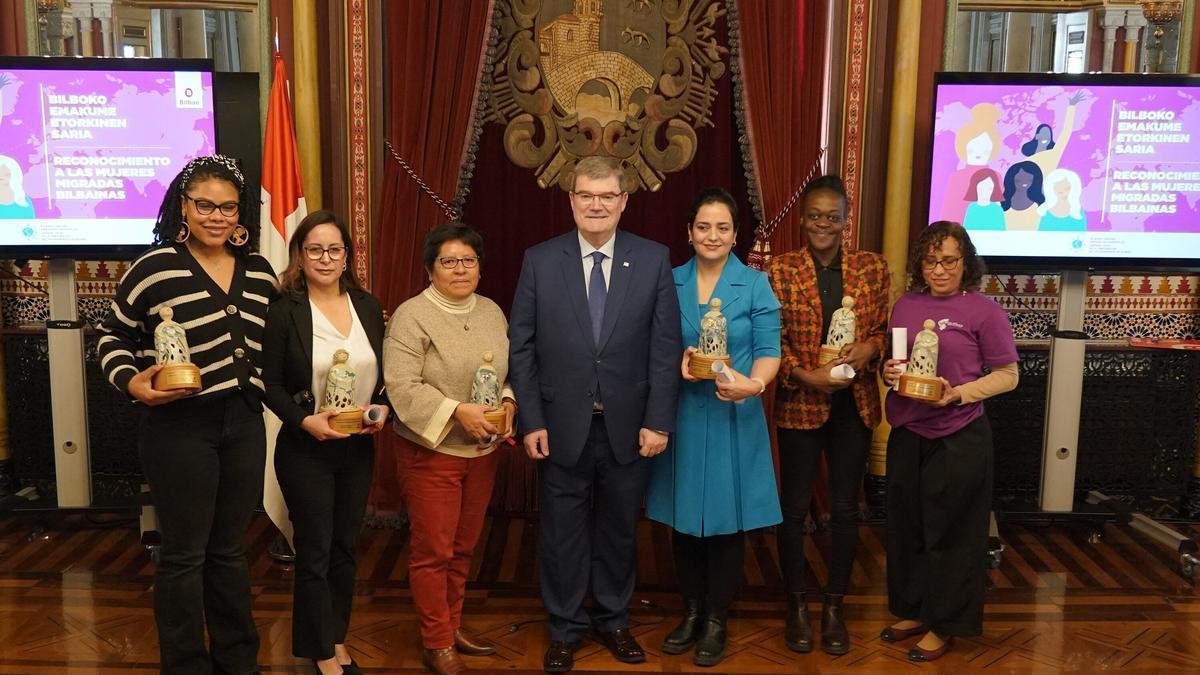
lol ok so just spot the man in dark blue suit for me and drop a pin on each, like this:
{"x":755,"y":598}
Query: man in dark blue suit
{"x":595,"y":349}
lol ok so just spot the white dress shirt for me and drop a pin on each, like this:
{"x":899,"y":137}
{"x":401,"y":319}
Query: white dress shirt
{"x":606,"y":267}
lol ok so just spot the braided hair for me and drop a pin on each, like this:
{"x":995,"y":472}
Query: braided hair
{"x":170,"y":215}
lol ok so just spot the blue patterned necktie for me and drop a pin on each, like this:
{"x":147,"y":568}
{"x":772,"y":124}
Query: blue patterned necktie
{"x":597,"y":294}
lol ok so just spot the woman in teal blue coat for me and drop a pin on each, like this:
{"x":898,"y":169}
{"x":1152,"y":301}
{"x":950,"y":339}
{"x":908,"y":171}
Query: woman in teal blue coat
{"x":716,"y":480}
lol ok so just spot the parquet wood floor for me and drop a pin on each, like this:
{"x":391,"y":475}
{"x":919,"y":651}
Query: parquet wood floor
{"x":77,"y":599}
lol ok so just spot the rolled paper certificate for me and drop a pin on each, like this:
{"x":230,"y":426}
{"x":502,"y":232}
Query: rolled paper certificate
{"x":722,"y":372}
{"x":373,"y":415}
{"x":842,"y":372}
{"x":900,"y":351}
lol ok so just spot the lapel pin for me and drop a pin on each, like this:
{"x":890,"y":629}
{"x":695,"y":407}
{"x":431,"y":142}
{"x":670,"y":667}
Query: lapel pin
{"x":625,"y":264}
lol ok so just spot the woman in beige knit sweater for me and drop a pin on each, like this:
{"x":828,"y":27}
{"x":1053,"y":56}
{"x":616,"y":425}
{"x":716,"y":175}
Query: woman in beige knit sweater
{"x":434,"y":347}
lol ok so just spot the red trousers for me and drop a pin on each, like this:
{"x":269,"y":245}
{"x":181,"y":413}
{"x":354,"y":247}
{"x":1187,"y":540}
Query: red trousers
{"x":447,"y":499}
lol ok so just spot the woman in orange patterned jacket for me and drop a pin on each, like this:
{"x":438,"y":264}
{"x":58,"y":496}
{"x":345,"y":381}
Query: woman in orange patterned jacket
{"x":816,"y":411}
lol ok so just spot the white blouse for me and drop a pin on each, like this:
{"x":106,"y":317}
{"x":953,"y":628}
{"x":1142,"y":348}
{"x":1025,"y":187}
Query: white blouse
{"x":327,"y":340}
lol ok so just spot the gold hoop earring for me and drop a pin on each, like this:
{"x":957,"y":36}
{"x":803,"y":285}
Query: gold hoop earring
{"x":240,"y":236}
{"x":183,"y":233}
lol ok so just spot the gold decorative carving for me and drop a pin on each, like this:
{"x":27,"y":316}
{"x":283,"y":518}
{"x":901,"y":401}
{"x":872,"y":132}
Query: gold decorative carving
{"x":630,"y":79}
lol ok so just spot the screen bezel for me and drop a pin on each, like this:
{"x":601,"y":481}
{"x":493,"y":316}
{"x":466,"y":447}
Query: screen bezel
{"x":1053,"y":264}
{"x":99,"y":251}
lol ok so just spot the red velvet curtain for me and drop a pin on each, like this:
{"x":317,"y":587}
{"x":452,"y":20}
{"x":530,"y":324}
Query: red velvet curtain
{"x":12,"y":28}
{"x":782,"y":61}
{"x":433,"y":53}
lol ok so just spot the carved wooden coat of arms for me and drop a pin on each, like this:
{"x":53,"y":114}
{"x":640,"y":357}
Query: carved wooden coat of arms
{"x":631,"y":79}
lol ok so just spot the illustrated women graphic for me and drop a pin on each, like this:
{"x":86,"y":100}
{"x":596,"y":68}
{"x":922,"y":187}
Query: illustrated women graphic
{"x":976,"y":143}
{"x":1062,"y":211}
{"x":1022,"y":196}
{"x":1043,"y":149}
{"x":14,"y":203}
{"x":984,"y":212}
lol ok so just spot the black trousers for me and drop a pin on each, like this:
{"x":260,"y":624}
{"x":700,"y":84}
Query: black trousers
{"x":845,"y":441}
{"x":588,"y":539}
{"x":204,"y":460}
{"x":325,"y":485}
{"x":709,"y":569}
{"x":939,"y":497}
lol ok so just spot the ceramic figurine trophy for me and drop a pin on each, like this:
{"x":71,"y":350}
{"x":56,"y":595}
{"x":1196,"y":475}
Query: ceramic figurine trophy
{"x":921,"y":380}
{"x":170,"y":341}
{"x":841,"y":332}
{"x":339,"y":396}
{"x":485,"y":390}
{"x":714,"y":343}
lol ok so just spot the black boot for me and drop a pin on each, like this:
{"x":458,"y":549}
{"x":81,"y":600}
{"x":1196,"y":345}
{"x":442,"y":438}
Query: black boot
{"x":798,"y":632}
{"x":710,"y":647}
{"x":680,"y":640}
{"x":835,"y":639}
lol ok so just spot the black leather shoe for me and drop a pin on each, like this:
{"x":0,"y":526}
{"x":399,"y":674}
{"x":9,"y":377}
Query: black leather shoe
{"x":560,"y":656}
{"x":797,"y":632}
{"x":710,"y":648}
{"x":835,"y":639}
{"x":351,"y":668}
{"x":680,"y":640}
{"x":280,"y":550}
{"x":620,"y":642}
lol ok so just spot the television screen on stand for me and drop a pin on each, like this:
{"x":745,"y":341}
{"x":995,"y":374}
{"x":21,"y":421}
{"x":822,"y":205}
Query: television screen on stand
{"x":88,"y":147}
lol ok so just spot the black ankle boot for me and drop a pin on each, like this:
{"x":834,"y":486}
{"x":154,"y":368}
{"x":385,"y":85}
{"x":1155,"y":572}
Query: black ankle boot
{"x":798,"y":632}
{"x":680,"y":640}
{"x":710,"y":647}
{"x":835,"y":639}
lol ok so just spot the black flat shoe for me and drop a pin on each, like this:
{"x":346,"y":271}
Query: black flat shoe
{"x":891,"y":634}
{"x":923,"y":655}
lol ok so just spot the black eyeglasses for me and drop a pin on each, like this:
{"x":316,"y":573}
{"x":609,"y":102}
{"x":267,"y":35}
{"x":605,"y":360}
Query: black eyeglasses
{"x":205,"y":207}
{"x":949,"y":264}
{"x":315,"y":252}
{"x":450,"y":263}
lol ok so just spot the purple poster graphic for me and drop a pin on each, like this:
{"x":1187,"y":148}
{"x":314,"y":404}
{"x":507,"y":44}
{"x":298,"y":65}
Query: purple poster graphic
{"x":86,"y":155}
{"x":1101,"y":169}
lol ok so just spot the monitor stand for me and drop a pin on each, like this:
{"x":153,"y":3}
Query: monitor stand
{"x":1060,"y":440}
{"x":68,"y":390}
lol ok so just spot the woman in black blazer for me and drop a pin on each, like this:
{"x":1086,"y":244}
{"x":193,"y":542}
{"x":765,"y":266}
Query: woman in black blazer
{"x":325,"y":475}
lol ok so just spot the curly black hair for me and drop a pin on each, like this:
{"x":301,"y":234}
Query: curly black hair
{"x":931,"y":239}
{"x":170,"y":214}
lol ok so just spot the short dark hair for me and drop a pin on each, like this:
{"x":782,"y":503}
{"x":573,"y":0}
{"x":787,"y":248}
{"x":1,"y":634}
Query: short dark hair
{"x":931,"y":238}
{"x":714,"y":195}
{"x":450,"y":232}
{"x":292,"y":279}
{"x":831,"y":182}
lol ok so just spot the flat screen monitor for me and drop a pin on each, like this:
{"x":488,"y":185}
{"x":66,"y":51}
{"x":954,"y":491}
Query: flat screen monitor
{"x":88,"y":147}
{"x":1068,"y":171}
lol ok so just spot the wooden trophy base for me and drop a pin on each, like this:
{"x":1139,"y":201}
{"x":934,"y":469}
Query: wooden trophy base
{"x":828,"y":354}
{"x":177,"y":376}
{"x":347,"y":421}
{"x":700,"y":365}
{"x":919,"y":386}
{"x":497,"y":418}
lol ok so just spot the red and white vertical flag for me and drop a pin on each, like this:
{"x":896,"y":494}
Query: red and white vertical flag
{"x":282,"y":197}
{"x":282,"y":210}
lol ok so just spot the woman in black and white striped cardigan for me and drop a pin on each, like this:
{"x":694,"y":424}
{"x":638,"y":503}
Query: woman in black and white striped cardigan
{"x":202,"y":453}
